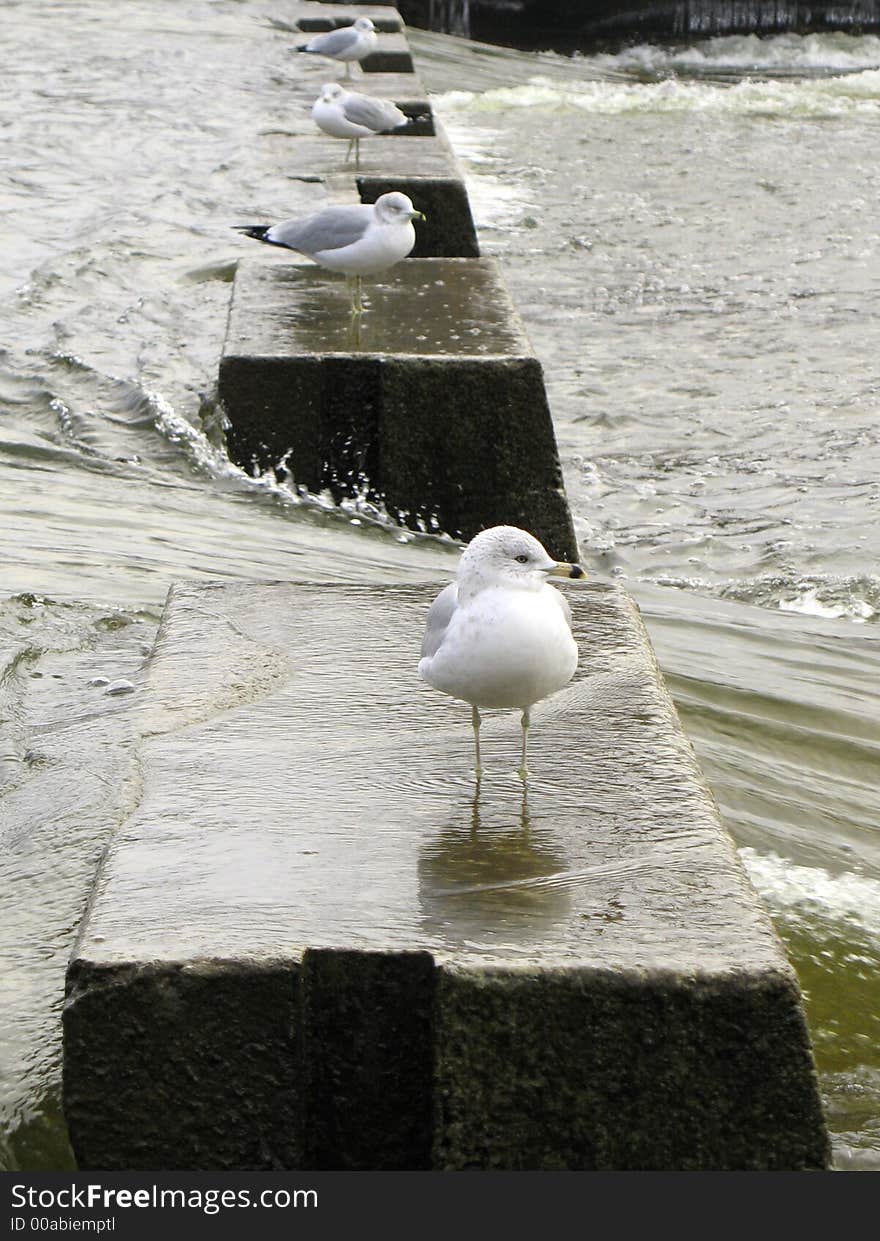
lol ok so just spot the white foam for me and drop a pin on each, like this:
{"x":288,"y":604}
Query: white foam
{"x":814,"y":893}
{"x":809,"y":604}
{"x":847,"y":95}
{"x":751,"y":53}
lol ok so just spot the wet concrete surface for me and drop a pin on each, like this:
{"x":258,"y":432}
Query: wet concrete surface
{"x":285,"y":305}
{"x":573,"y":975}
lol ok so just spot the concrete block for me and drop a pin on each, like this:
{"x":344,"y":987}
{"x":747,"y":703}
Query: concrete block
{"x":662,"y":1069}
{"x":315,"y":943}
{"x":183,"y":1027}
{"x":432,"y":405}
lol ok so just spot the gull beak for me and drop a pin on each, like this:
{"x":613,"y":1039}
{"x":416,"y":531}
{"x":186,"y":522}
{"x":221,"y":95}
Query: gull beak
{"x":419,"y":215}
{"x":564,"y":569}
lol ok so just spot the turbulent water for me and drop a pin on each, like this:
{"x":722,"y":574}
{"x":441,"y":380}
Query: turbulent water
{"x":691,"y":235}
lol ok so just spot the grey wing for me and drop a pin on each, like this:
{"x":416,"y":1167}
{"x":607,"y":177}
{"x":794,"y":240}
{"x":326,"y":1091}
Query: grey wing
{"x":332,"y":229}
{"x":334,"y":41}
{"x":375,"y":114}
{"x":439,"y":615}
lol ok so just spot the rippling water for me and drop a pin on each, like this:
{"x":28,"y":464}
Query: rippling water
{"x":691,"y":235}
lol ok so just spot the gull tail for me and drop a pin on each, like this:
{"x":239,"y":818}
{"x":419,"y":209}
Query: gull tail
{"x":414,"y":120}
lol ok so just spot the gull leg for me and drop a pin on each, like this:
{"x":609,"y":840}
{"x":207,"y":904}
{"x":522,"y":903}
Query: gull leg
{"x":348,"y":150}
{"x":357,"y":152}
{"x":354,"y":292}
{"x":348,"y":68}
{"x":475,"y":720}
{"x":524,"y":771}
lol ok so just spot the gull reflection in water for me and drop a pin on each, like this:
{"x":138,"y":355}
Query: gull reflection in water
{"x":487,"y":879}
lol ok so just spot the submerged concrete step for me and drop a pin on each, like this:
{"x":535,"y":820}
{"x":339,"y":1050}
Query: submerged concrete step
{"x":315,"y":943}
{"x":431,"y":404}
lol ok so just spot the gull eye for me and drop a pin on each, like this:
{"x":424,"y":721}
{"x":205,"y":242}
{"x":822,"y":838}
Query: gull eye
{"x":522,"y":559}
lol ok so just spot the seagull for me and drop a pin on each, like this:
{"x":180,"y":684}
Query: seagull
{"x":344,"y":113}
{"x":360,"y":240}
{"x":346,"y":44}
{"x":500,"y":635}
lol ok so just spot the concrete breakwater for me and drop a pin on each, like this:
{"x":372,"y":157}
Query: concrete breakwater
{"x":433,"y":406}
{"x":314,"y":943}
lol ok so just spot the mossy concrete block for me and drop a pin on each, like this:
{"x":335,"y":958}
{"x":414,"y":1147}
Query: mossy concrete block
{"x":316,"y":943}
{"x":147,"y":1047}
{"x":624,"y":1070}
{"x":433,"y":405}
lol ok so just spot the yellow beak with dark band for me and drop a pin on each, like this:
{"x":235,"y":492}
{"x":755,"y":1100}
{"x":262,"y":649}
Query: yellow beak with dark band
{"x":564,"y":569}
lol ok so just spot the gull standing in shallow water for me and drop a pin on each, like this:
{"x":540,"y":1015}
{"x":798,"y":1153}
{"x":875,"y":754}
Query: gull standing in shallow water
{"x":360,"y":240}
{"x":344,"y":113}
{"x":500,"y":635}
{"x":346,"y":44}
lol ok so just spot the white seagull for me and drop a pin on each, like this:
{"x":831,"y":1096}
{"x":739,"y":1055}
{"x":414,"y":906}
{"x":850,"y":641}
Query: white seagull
{"x":360,"y":240}
{"x":500,"y":635}
{"x":345,"y":44}
{"x":345,"y":113}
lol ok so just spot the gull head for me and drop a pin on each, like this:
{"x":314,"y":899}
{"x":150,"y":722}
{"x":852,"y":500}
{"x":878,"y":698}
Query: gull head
{"x":364,"y":23}
{"x":332,"y":91}
{"x":395,"y":208}
{"x":508,"y":556}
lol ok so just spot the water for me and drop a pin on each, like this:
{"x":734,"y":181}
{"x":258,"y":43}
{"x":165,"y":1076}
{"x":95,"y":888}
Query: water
{"x":691,"y":237}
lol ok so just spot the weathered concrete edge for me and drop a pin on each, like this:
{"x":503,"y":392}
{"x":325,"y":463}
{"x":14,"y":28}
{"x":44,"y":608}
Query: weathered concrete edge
{"x":625,"y":1070}
{"x":253,"y":1063}
{"x":415,"y":482}
{"x":200,"y":1055}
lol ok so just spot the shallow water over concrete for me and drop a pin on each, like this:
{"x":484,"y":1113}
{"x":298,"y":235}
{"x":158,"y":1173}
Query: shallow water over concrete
{"x":446,"y":308}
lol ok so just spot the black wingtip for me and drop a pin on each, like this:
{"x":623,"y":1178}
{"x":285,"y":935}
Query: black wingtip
{"x":258,"y":231}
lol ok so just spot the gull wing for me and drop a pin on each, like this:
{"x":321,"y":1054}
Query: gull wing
{"x":332,"y":229}
{"x":375,"y":114}
{"x":332,"y":42}
{"x":440,"y":614}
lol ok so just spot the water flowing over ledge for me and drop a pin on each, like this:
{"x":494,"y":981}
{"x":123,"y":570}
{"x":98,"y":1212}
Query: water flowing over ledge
{"x":569,"y":25}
